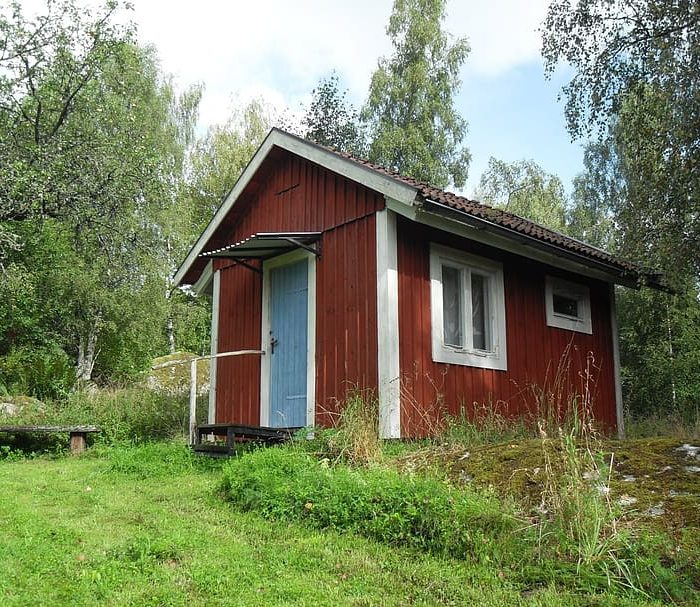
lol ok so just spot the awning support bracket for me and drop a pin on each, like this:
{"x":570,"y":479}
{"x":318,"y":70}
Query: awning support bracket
{"x":315,"y":250}
{"x":248,"y":266}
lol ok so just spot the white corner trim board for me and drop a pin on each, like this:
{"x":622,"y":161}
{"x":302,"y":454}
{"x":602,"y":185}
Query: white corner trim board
{"x":619,"y":413}
{"x":388,"y":326}
{"x":216,"y":290}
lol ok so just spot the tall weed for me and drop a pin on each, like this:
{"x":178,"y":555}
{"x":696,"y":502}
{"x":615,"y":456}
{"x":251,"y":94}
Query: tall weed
{"x":354,"y":436}
{"x":134,"y":414}
{"x":685,"y":427}
{"x":578,"y":520}
{"x":482,"y":424}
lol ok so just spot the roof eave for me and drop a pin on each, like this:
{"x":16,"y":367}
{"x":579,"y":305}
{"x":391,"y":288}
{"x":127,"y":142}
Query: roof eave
{"x":614,"y":273}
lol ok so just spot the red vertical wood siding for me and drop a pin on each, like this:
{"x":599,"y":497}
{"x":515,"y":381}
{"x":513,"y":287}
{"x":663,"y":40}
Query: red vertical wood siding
{"x":346,"y":315}
{"x":289,"y":194}
{"x":238,"y":377}
{"x":534,"y":349}
{"x":294,"y":195}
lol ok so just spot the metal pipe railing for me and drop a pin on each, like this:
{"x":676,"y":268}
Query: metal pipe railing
{"x":193,"y":380}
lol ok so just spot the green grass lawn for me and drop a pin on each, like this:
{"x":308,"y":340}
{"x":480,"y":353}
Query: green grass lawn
{"x":145,"y":526}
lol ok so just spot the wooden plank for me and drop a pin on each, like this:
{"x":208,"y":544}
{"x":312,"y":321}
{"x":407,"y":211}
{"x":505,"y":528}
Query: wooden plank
{"x":244,"y":431}
{"x":23,"y":429}
{"x":210,"y":448}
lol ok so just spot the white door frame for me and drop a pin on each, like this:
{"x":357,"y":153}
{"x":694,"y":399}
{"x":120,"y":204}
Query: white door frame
{"x":265,"y":365}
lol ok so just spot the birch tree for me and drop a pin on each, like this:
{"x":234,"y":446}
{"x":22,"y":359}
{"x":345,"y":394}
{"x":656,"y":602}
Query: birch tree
{"x":413,"y":125}
{"x":93,"y":138}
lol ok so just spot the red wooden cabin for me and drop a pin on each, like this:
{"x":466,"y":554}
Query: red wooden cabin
{"x":347,"y":275}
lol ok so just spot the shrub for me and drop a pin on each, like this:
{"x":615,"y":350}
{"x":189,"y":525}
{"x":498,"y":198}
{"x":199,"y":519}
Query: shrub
{"x":410,"y":511}
{"x":127,"y":414}
{"x":43,"y":372}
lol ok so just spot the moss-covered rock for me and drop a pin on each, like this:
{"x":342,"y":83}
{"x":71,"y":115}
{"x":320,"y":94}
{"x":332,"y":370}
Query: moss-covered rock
{"x":171,"y":374}
{"x":653,"y":482}
{"x":21,"y":407}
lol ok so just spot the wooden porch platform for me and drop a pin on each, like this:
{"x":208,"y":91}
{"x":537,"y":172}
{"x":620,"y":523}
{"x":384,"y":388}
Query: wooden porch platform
{"x":228,"y":436}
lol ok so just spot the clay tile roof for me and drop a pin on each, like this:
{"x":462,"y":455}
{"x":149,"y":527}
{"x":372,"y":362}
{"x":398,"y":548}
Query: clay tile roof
{"x":509,"y":221}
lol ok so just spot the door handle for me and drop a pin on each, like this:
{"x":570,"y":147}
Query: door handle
{"x":273,"y":343}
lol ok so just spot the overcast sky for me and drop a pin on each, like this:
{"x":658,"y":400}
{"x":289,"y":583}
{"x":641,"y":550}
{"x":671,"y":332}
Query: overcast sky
{"x":279,"y":49}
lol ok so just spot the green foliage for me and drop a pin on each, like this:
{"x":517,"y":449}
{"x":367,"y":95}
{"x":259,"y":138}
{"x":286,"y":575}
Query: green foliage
{"x":597,"y":191}
{"x":156,"y":460}
{"x":578,"y":511}
{"x":572,"y":543}
{"x":191,"y":317}
{"x":44,"y":372}
{"x":49,"y":64}
{"x":218,"y":158}
{"x":127,"y":415}
{"x":119,"y":538}
{"x":660,"y":351}
{"x":635,"y":77}
{"x":657,"y":140}
{"x":415,"y":512}
{"x":331,"y":121}
{"x":614,"y":45}
{"x":413,"y":126}
{"x":525,"y":189}
{"x":482,"y":425}
{"x":354,"y":437}
{"x":93,"y":140}
{"x":663,"y":424}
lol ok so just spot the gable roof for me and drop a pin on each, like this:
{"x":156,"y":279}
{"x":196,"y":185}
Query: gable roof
{"x":420,"y":201}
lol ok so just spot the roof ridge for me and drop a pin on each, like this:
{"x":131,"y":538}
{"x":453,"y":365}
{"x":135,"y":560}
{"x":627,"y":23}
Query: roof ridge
{"x":491,"y":214}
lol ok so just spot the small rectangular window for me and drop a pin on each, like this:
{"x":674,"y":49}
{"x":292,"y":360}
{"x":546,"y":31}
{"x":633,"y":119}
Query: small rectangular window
{"x":564,"y":305}
{"x":568,"y":305}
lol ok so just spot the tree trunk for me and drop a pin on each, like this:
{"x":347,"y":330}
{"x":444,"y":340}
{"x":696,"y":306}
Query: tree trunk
{"x":170,"y":332}
{"x":169,"y":327}
{"x":87,"y":354}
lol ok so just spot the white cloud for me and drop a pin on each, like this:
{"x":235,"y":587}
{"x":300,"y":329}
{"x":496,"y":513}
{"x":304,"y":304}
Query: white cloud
{"x":265,"y":46}
{"x":502,"y":33}
{"x":280,"y":49}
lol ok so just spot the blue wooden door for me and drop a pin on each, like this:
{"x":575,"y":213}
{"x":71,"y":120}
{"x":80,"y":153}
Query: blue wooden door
{"x":288,"y":344}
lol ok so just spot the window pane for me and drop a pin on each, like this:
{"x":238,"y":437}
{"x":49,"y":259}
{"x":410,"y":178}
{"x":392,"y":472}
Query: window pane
{"x":481,"y":339}
{"x":566,"y":306}
{"x":451,"y":306}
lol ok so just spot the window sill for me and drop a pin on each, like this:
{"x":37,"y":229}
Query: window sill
{"x":467,"y":358}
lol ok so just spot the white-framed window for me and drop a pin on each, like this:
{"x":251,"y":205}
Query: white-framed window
{"x":568,"y":305}
{"x":467,"y":309}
